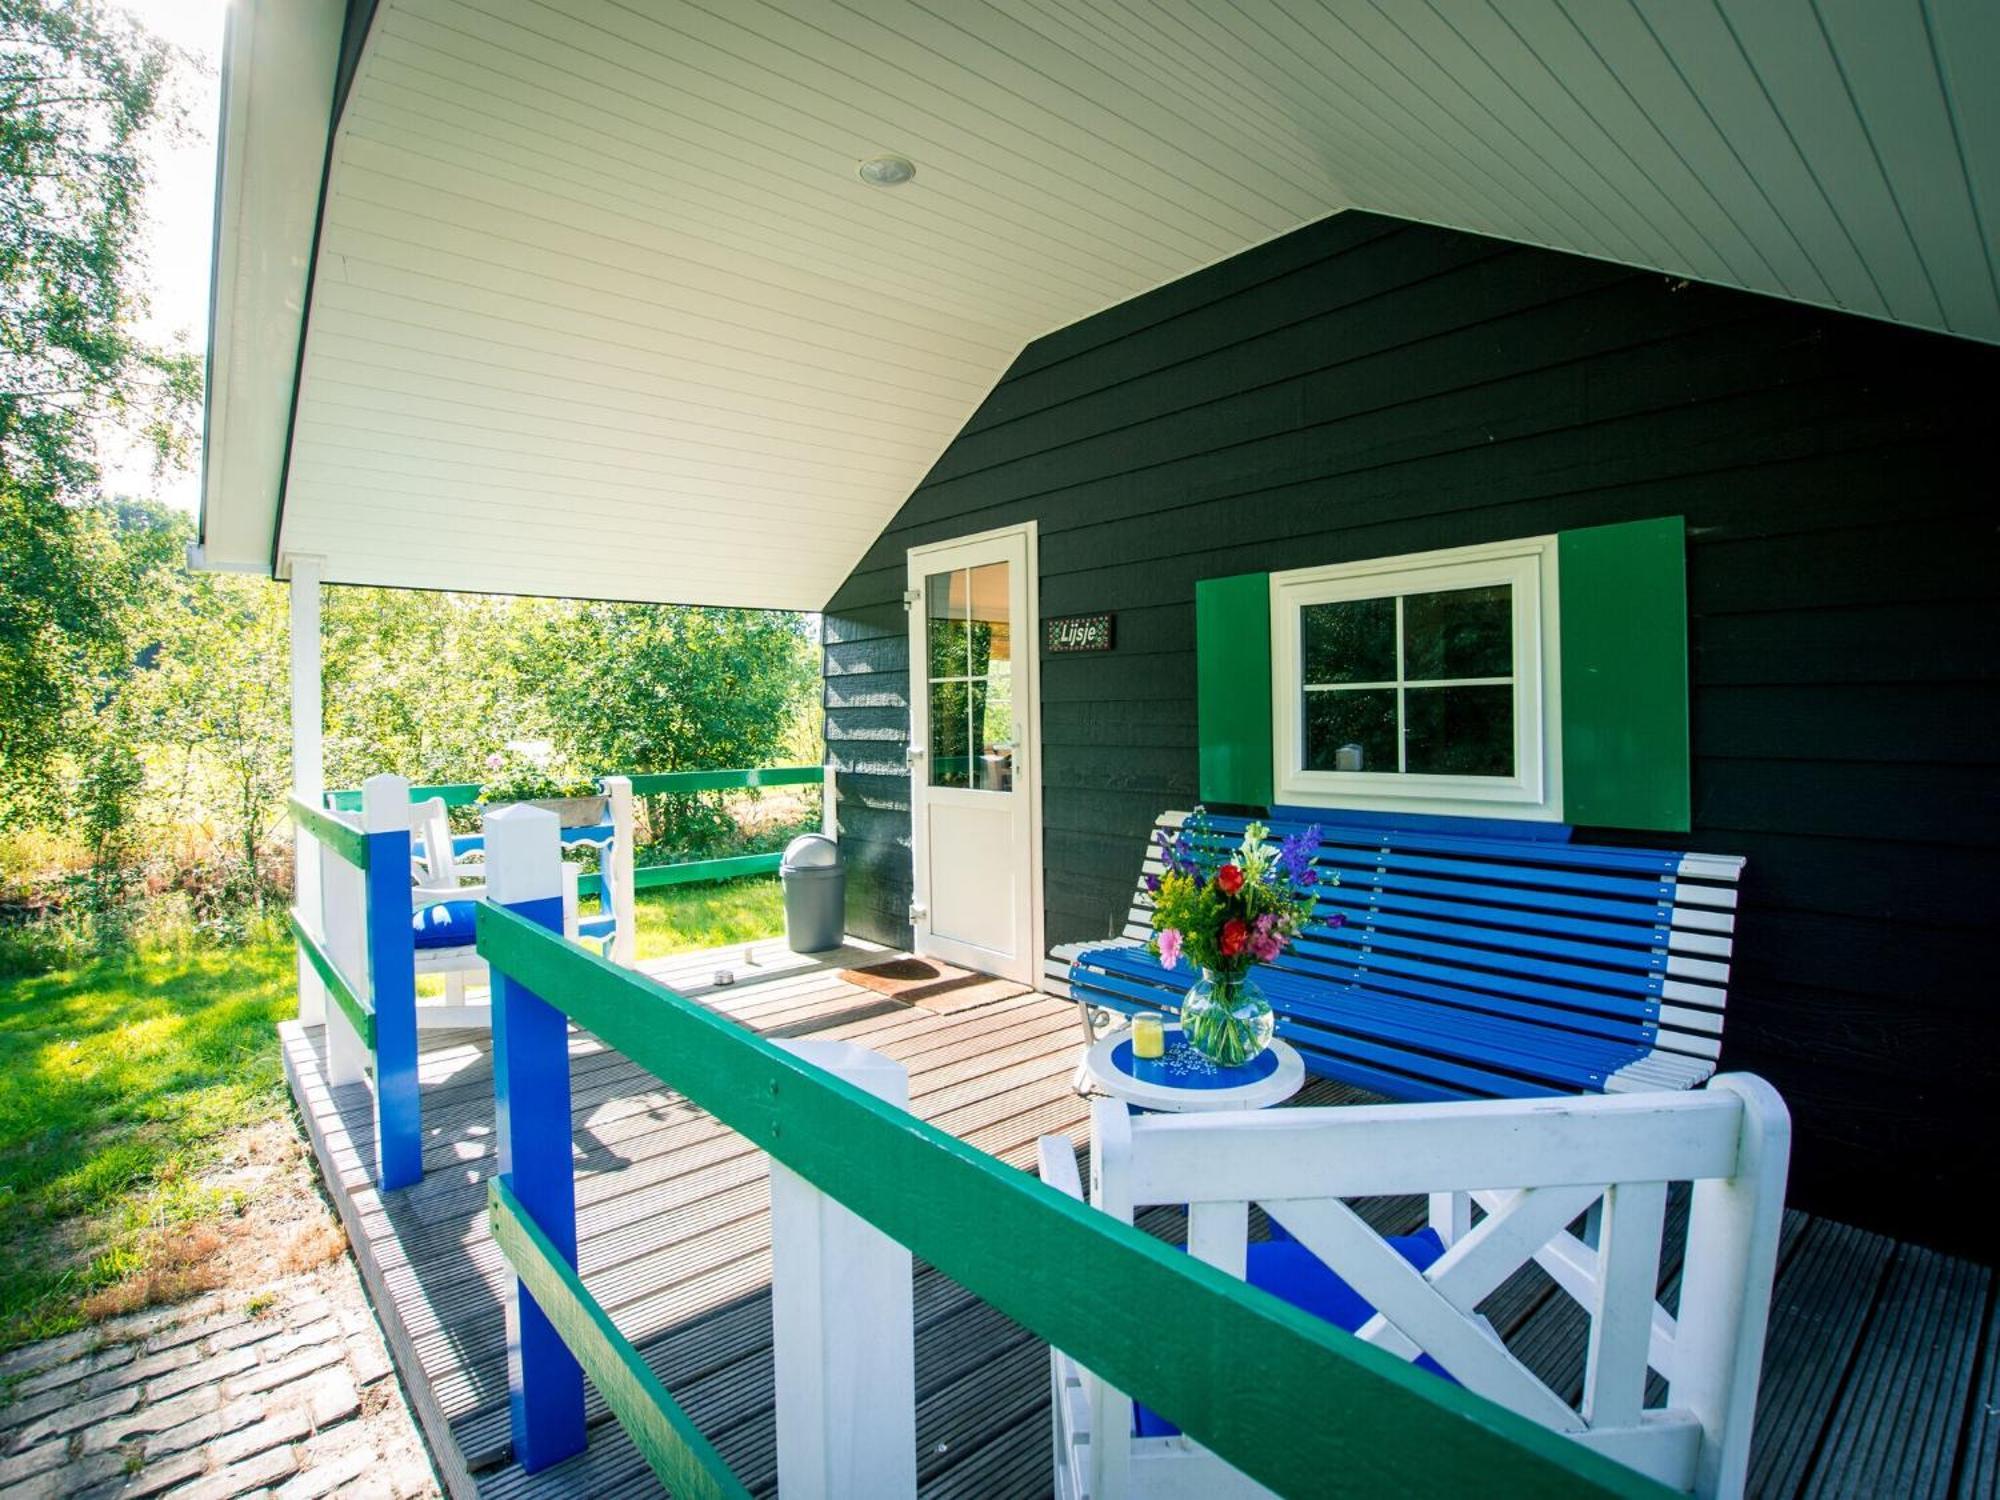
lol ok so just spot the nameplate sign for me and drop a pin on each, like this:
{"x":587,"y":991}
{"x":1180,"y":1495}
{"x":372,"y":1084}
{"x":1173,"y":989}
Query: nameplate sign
{"x":1078,"y":633}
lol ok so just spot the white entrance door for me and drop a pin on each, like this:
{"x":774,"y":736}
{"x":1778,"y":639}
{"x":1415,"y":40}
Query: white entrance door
{"x":973,"y":719}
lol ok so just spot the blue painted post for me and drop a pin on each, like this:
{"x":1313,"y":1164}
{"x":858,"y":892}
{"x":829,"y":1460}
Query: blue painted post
{"x":531,"y":1099}
{"x":392,"y":981}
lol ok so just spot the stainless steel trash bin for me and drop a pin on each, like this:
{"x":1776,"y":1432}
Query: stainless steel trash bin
{"x":815,"y":884}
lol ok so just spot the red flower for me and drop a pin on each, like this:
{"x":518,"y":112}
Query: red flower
{"x":1229,"y":879}
{"x":1235,"y":932}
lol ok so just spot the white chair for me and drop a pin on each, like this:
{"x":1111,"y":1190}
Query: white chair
{"x":448,"y":883}
{"x":1533,"y":1166}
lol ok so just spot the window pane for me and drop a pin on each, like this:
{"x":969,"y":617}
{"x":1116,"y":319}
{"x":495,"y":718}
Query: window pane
{"x":992,"y":643}
{"x":951,"y":763}
{"x":1353,"y":640}
{"x":945,"y":600}
{"x":1459,"y":731}
{"x":1459,"y":633}
{"x":993,"y":734}
{"x":1351,"y":731}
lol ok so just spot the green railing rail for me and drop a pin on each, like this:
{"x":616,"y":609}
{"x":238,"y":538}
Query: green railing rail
{"x":334,"y":834}
{"x":672,"y":1445}
{"x":359,"y":1012}
{"x":1320,"y":1413}
{"x":455,"y":794}
{"x":657,"y":784}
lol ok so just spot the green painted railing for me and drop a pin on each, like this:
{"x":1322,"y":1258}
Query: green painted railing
{"x":676,"y":783}
{"x":1290,"y":1400}
{"x":660,"y":784}
{"x":342,"y":838}
{"x":358,"y":1010}
{"x":455,"y":794}
{"x":662,"y":1432}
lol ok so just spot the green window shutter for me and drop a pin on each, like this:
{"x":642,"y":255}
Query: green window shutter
{"x":1624,"y":675}
{"x":1232,"y":635}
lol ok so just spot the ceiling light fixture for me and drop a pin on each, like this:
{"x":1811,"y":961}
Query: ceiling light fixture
{"x":886,"y":171}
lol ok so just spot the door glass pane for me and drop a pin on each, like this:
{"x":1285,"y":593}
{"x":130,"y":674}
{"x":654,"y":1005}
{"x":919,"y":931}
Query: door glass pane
{"x":950,"y":760}
{"x":1351,"y":640}
{"x":993,"y":734}
{"x":991,"y":631}
{"x":1351,"y":731}
{"x":945,"y":599}
{"x":1460,"y":731}
{"x":1458,"y":633}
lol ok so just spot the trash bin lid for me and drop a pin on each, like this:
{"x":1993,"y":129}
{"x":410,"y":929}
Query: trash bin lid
{"x":812,"y":851}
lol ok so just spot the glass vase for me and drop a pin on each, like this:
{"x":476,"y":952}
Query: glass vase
{"x":1226,"y":1018}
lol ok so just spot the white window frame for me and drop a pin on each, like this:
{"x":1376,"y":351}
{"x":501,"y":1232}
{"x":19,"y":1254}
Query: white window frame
{"x":1534,"y":791}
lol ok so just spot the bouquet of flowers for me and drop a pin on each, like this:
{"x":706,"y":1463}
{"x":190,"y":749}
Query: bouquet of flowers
{"x":1227,"y":909}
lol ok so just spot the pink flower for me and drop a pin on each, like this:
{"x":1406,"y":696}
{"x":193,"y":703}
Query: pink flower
{"x":1170,"y":948}
{"x":1264,"y":947}
{"x":1265,"y":923}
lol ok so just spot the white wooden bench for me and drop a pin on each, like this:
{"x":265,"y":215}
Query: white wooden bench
{"x":1532,"y":1167}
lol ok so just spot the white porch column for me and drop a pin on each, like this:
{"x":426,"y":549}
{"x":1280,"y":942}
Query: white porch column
{"x":308,"y":769}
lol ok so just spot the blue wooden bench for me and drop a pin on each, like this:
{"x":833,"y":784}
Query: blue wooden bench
{"x":1473,"y":963}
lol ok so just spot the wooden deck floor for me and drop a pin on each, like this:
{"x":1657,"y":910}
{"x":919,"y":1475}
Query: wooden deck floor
{"x":1880,"y":1381}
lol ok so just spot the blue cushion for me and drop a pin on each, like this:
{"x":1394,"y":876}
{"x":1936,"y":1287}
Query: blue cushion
{"x":1285,"y":1268}
{"x":447,"y":924}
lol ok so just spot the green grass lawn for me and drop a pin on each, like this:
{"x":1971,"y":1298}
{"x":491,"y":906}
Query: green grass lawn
{"x":117,"y":1078}
{"x":121,"y":1077}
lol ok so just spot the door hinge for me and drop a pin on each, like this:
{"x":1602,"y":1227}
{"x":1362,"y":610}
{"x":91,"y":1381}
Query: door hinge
{"x":918,"y":911}
{"x":912,"y":598}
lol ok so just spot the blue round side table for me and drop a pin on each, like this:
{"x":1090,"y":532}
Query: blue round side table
{"x":1183,"y":1081}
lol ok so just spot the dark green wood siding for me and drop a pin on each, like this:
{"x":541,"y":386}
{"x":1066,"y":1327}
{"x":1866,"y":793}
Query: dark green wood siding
{"x":1365,"y":388}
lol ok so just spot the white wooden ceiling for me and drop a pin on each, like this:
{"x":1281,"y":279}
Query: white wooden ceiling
{"x":602,"y":309}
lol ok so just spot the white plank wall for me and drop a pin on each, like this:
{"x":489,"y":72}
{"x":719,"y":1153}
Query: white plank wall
{"x":602,"y":309}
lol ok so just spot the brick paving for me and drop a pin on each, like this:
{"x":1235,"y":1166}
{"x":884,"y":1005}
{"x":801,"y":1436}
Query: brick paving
{"x":286,"y":1393}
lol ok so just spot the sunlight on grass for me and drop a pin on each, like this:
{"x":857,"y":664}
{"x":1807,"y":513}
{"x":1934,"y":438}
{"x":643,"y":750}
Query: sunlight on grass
{"x":117,"y":1078}
{"x":681,"y":918}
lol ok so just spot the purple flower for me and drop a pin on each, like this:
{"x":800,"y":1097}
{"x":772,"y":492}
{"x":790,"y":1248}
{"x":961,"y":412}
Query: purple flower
{"x":1152,"y":885}
{"x":1296,"y":854}
{"x":1338,"y":919}
{"x":1170,"y":948}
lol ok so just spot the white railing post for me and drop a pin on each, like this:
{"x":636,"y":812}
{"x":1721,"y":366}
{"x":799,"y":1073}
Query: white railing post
{"x":308,"y":772}
{"x":618,"y":874}
{"x":843,"y":1322}
{"x":344,"y":934}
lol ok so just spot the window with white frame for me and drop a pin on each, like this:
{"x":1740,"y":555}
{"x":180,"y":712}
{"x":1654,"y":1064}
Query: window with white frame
{"x":1425,"y":683}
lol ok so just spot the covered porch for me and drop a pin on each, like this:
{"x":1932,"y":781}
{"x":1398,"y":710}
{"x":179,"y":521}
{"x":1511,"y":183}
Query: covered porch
{"x":646,"y":303}
{"x":1879,"y":1377}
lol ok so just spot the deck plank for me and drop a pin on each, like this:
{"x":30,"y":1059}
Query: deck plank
{"x":1896,"y":1425}
{"x":1880,"y":1376}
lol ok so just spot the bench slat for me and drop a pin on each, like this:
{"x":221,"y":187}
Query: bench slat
{"x":1573,"y":1059}
{"x":1473,"y":966}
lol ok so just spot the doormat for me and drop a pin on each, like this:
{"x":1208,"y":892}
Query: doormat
{"x":913,"y":979}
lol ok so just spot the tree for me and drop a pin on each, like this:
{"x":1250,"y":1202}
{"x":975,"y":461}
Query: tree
{"x":633,"y":687}
{"x":80,"y":85}
{"x":218,"y":688}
